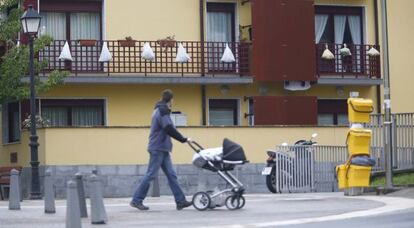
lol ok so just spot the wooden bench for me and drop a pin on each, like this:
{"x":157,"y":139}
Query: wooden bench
{"x":5,"y":178}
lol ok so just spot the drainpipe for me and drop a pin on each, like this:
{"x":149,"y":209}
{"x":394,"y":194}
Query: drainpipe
{"x":387,"y":98}
{"x":203,"y":87}
{"x":378,"y":87}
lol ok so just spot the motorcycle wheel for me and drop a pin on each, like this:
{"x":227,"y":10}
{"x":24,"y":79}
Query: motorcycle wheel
{"x":271,"y":181}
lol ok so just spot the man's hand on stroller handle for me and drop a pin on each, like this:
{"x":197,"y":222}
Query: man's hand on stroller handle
{"x":189,"y":140}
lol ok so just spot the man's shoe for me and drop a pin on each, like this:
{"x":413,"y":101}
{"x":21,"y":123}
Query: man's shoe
{"x":139,"y":206}
{"x":183,"y":205}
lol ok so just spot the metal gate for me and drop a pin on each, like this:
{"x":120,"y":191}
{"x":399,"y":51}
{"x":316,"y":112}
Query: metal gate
{"x":312,"y":168}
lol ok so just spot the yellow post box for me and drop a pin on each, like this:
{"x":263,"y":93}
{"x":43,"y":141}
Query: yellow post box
{"x":359,"y":110}
{"x":351,"y":176}
{"x":358,"y":141}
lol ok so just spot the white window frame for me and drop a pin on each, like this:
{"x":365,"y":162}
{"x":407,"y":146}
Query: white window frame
{"x":227,"y":98}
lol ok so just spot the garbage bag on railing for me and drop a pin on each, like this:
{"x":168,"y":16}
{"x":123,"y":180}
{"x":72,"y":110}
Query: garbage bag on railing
{"x":65,"y":54}
{"x":345,"y":51}
{"x":363,"y":160}
{"x":327,"y":54}
{"x":105,"y":54}
{"x":228,"y":56}
{"x":182,"y":56}
{"x":373,"y":52}
{"x":147,"y":52}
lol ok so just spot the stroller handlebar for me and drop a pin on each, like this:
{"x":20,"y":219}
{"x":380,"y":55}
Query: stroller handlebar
{"x":195,"y":146}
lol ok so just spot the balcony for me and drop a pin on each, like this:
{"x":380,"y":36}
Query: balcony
{"x":205,"y":66}
{"x":127,"y":65}
{"x":357,"y":69}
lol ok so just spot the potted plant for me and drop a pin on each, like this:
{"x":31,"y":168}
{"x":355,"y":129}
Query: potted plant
{"x":128,"y":42}
{"x":167,"y":42}
{"x":87,"y":42}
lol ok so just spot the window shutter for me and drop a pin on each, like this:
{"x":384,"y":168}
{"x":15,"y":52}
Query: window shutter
{"x":285,"y":110}
{"x":283,"y":40}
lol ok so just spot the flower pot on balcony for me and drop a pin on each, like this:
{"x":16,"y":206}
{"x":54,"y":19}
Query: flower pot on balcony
{"x":87,"y":43}
{"x":166,"y":43}
{"x":126,"y":43}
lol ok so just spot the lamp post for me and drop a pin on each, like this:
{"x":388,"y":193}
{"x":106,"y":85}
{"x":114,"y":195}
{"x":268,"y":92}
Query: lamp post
{"x":31,"y":23}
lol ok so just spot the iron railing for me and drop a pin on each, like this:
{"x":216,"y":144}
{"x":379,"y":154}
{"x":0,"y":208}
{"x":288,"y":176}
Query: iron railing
{"x":126,"y":58}
{"x":358,"y":64}
{"x":205,"y":59}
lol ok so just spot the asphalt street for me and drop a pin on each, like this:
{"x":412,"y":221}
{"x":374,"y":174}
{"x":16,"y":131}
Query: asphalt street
{"x":264,"y":210}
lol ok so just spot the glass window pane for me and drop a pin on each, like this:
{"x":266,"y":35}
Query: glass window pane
{"x":85,"y":26}
{"x":221,"y":117}
{"x":57,"y":116}
{"x":343,"y":119}
{"x":87,"y":116}
{"x":54,"y":25}
{"x":325,"y":119}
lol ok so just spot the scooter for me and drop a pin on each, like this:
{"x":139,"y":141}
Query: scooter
{"x":285,"y":163}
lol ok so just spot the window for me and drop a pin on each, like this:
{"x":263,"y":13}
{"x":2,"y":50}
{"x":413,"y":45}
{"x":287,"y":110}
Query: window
{"x":72,"y":21}
{"x":220,"y":28}
{"x":223,"y":112}
{"x":332,"y":112}
{"x":13,"y":122}
{"x":338,"y":25}
{"x":68,"y":20}
{"x":10,"y":122}
{"x":82,"y":112}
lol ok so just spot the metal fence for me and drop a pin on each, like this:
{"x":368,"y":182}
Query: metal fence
{"x":312,"y":168}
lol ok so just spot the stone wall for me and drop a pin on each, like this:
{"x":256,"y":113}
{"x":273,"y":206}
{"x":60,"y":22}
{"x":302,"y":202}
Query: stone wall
{"x":122,"y":180}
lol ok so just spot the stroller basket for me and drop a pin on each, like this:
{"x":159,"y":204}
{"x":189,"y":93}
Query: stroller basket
{"x":231,"y":151}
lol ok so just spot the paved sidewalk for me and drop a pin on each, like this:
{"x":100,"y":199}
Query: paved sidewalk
{"x":265,"y":210}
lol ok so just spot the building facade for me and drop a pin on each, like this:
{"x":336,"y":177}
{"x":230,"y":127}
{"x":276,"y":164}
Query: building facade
{"x":278,"y":76}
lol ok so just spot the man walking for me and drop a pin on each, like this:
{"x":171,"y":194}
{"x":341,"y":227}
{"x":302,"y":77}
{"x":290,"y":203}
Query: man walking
{"x":160,"y":147}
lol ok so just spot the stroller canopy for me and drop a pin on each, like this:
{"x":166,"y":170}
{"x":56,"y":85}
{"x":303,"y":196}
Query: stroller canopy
{"x":232,"y":151}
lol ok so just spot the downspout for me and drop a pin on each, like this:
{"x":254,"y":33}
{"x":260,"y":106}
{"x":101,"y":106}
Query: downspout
{"x":203,"y":87}
{"x":378,"y":87}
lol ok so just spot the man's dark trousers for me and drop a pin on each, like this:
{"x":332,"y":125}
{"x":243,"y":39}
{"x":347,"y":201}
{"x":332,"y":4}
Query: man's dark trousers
{"x":159,"y":159}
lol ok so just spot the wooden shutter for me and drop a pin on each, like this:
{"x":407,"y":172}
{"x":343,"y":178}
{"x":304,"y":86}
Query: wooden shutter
{"x":283,"y":40}
{"x":285,"y":110}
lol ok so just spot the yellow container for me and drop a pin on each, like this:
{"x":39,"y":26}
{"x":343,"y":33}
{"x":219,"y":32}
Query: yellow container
{"x":359,"y":110}
{"x":341,"y":174}
{"x":353,"y":176}
{"x":358,"y":141}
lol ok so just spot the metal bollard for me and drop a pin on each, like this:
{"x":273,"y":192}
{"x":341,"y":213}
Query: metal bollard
{"x":81,"y":195}
{"x":98,"y":212}
{"x":14,"y":192}
{"x":73,"y":219}
{"x":49,"y":193}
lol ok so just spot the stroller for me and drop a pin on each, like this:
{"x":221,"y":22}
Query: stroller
{"x":220,"y":160}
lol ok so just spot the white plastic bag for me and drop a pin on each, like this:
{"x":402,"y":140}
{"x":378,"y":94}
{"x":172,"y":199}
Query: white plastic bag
{"x":65,"y":54}
{"x":373,"y":52}
{"x":345,"y":51}
{"x":228,"y":56}
{"x":105,"y":54}
{"x":147,"y":52}
{"x":327,"y":54}
{"x":182,"y":56}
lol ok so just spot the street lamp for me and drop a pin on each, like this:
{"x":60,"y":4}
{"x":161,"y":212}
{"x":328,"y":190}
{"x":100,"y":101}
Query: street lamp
{"x":31,"y":23}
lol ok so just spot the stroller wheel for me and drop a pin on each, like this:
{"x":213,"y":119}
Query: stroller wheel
{"x":242,"y":202}
{"x":233,"y":202}
{"x":201,"y":201}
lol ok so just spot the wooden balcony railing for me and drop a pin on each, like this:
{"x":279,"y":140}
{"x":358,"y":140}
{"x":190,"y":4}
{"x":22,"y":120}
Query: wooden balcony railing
{"x":126,"y":59}
{"x":358,"y":64}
